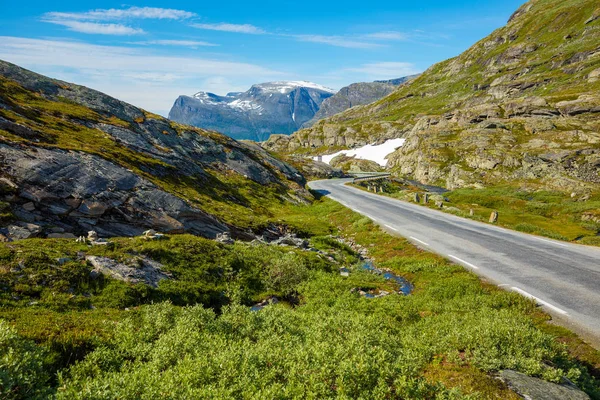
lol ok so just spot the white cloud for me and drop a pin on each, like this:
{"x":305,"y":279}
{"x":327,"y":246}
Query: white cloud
{"x":237,"y":28}
{"x":385,"y":70}
{"x":132,"y":74}
{"x":338,"y":41}
{"x":96,"y":28}
{"x":387,"y":35}
{"x":131,"y":12}
{"x":182,"y":43}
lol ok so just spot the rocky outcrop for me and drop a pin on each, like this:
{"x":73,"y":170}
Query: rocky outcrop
{"x":267,"y":108}
{"x":74,"y":160}
{"x":79,"y":192}
{"x":354,"y":95}
{"x":521,"y":105}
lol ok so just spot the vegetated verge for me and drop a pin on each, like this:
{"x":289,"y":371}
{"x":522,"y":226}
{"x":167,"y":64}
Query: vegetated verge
{"x":557,"y":215}
{"x":193,"y":335}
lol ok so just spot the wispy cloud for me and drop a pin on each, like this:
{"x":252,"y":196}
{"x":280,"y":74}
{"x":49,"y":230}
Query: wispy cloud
{"x":132,"y":74}
{"x":116,"y":14}
{"x":339,"y":41}
{"x":385,"y":70}
{"x":387,"y":35}
{"x":237,"y":28}
{"x":97,"y":28}
{"x":182,"y":43}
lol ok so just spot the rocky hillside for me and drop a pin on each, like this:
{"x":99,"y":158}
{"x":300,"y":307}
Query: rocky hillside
{"x":274,"y":107}
{"x":355,"y":95}
{"x":73,"y":160}
{"x":521,"y":105}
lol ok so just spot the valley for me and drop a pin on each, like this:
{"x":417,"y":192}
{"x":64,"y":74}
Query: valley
{"x":227,"y":252}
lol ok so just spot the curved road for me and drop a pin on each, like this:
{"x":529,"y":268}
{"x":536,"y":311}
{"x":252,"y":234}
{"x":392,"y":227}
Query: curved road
{"x":562,"y":277}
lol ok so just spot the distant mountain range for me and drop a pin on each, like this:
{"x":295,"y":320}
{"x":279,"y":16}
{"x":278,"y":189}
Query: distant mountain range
{"x":266,"y":108}
{"x":274,"y":107}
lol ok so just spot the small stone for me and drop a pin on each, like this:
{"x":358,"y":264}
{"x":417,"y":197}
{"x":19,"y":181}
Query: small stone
{"x":29,"y":206}
{"x":81,"y":239}
{"x":8,"y":182}
{"x":439,"y":204}
{"x":92,"y":236}
{"x":63,"y":260}
{"x":224,"y":238}
{"x":3,"y":239}
{"x":149,"y":233}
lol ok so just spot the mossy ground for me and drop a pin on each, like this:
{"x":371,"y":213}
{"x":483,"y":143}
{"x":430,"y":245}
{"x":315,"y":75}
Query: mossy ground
{"x":442,"y":341}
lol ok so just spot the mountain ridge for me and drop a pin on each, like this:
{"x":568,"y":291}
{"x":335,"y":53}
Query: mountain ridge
{"x":280,"y":106}
{"x":520,"y":105}
{"x":357,"y":94}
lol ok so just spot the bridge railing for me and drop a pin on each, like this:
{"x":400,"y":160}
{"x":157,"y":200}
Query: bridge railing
{"x":370,"y":177}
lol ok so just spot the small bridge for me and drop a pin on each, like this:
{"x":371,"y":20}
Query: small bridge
{"x":369,"y":176}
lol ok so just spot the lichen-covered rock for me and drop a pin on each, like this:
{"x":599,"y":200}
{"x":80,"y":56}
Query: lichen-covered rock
{"x":138,"y":270}
{"x":537,"y":389}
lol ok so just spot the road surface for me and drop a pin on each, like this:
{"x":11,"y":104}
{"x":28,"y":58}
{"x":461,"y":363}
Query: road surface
{"x":562,"y":277}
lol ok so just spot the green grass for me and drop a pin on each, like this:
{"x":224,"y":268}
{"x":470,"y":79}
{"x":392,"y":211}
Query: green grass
{"x":442,"y":341}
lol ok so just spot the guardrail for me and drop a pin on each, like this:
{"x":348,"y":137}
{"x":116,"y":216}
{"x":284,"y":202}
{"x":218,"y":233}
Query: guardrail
{"x":373,"y":177}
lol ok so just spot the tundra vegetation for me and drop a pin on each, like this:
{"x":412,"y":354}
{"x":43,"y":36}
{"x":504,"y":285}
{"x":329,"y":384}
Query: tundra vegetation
{"x":68,"y":334}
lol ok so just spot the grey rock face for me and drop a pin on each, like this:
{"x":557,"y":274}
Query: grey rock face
{"x":141,"y":270}
{"x":95,"y":193}
{"x":355,"y":95}
{"x":537,"y":389}
{"x":275,"y":107}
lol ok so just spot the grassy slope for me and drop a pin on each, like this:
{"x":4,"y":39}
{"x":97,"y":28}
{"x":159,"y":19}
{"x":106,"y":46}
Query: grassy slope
{"x":442,"y":340}
{"x":61,"y":124}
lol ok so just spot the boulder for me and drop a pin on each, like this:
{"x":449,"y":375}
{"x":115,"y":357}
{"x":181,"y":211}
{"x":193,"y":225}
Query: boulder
{"x":538,"y":389}
{"x":23,"y":230}
{"x":138,"y":270}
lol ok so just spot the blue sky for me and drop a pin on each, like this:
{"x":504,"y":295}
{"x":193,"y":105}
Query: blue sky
{"x":149,"y":53}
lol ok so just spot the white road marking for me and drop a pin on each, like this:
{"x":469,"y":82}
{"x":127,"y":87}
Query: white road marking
{"x":392,"y":228}
{"x":463,"y":261}
{"x":420,"y":241}
{"x":538,"y":300}
{"x":551,"y":241}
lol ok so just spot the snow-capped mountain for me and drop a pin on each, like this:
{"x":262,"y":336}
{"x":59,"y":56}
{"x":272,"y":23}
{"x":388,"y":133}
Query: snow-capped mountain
{"x":267,"y":108}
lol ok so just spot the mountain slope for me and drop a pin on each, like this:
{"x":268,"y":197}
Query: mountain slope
{"x":274,"y":107}
{"x":356,"y":94}
{"x":520,"y":105}
{"x":73,"y":159}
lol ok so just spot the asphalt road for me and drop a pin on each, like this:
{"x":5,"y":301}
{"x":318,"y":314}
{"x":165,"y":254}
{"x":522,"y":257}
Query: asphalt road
{"x":562,"y":277}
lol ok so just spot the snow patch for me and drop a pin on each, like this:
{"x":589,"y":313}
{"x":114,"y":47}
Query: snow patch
{"x":284,"y":87}
{"x":376,"y":153}
{"x":245,"y":105}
